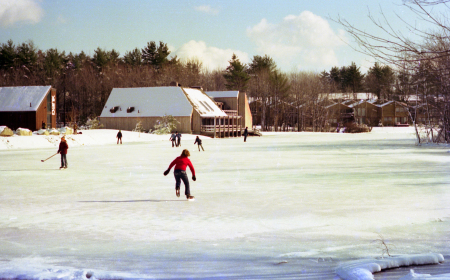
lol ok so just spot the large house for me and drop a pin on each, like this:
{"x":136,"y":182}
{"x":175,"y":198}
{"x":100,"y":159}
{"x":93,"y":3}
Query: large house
{"x":29,"y":107}
{"x":195,"y":111}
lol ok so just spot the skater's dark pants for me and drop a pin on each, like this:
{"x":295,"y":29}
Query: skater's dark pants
{"x":63,"y":160}
{"x":181,"y":175}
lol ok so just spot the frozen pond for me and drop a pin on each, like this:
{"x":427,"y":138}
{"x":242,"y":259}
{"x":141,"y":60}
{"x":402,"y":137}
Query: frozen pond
{"x":281,"y":206}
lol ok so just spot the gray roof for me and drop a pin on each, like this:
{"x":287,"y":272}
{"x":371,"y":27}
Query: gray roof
{"x":159,"y":101}
{"x":218,"y":94}
{"x":22,"y":99}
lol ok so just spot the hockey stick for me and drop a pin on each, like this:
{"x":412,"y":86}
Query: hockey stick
{"x":48,"y":158}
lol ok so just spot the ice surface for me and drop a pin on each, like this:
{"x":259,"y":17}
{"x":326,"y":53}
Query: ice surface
{"x":280,"y":206}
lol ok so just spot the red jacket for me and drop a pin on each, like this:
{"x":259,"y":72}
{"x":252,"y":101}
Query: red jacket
{"x":63,"y":148}
{"x":181,"y":163}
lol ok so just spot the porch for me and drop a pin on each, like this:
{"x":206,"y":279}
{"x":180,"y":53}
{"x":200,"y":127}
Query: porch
{"x":221,"y":127}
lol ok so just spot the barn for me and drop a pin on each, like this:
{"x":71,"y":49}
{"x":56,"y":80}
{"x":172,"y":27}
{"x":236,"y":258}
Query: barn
{"x":28,"y":107}
{"x":195,"y":111}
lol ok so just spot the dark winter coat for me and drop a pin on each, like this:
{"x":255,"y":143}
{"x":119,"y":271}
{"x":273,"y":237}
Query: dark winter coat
{"x":119,"y":134}
{"x":245,"y":132}
{"x":63,"y":147}
{"x":198,"y":141}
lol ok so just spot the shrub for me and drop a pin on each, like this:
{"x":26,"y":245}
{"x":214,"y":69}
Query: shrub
{"x":166,"y":125}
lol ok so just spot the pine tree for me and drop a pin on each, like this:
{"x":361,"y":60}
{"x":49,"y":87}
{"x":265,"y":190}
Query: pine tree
{"x":155,"y":56}
{"x":7,"y":55}
{"x":236,"y":75}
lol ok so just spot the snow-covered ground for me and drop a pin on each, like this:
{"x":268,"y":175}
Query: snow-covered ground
{"x":280,"y":206}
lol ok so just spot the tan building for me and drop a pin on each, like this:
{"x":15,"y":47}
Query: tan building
{"x":234,"y":103}
{"x":195,"y":111}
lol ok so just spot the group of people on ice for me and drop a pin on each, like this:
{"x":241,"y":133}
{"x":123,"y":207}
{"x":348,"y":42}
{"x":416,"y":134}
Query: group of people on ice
{"x":176,"y":139}
{"x":180,"y":163}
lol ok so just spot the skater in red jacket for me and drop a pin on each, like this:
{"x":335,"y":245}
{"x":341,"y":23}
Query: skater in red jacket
{"x":180,"y":164}
{"x":63,"y":147}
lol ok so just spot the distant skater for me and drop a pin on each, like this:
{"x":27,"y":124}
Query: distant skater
{"x":173,"y":138}
{"x":181,"y":163}
{"x":119,"y":137}
{"x":63,"y":147}
{"x":245,"y":134}
{"x":178,"y":139}
{"x":198,"y":141}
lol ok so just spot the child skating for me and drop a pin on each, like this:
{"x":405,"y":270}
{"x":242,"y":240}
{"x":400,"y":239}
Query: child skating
{"x":63,"y":147}
{"x":180,"y":164}
{"x":198,"y":141}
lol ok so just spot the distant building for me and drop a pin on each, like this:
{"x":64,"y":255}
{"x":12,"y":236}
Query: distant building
{"x":234,"y":103}
{"x":393,"y":113}
{"x":339,"y":113}
{"x":28,"y":107}
{"x":366,"y":112}
{"x":195,"y":111}
{"x":348,"y":95}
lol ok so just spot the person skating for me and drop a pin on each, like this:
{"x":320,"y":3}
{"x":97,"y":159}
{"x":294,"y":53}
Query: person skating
{"x":63,"y":147}
{"x":173,"y":138}
{"x":179,"y":172}
{"x":178,"y":139}
{"x":119,"y":137}
{"x":245,"y":134}
{"x":198,"y":141}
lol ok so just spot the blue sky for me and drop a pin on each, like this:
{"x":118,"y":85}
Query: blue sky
{"x":298,"y":35}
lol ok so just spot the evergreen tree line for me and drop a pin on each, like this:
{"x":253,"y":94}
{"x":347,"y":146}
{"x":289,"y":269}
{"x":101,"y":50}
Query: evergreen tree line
{"x":84,"y":82}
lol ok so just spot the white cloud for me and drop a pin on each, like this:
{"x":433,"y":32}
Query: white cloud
{"x":212,"y":58}
{"x":305,"y":41}
{"x":207,"y":9}
{"x":19,"y":10}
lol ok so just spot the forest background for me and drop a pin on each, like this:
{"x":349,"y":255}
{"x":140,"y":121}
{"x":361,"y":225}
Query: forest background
{"x":84,"y":82}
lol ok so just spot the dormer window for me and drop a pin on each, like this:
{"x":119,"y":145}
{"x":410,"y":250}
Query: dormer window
{"x":130,"y":109}
{"x":114,"y":109}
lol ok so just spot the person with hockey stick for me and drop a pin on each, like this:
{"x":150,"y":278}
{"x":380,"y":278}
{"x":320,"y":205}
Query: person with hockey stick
{"x":180,"y":174}
{"x":63,"y":147}
{"x":198,"y":141}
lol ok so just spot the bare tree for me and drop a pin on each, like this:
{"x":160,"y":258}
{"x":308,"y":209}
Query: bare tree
{"x":410,"y":58}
